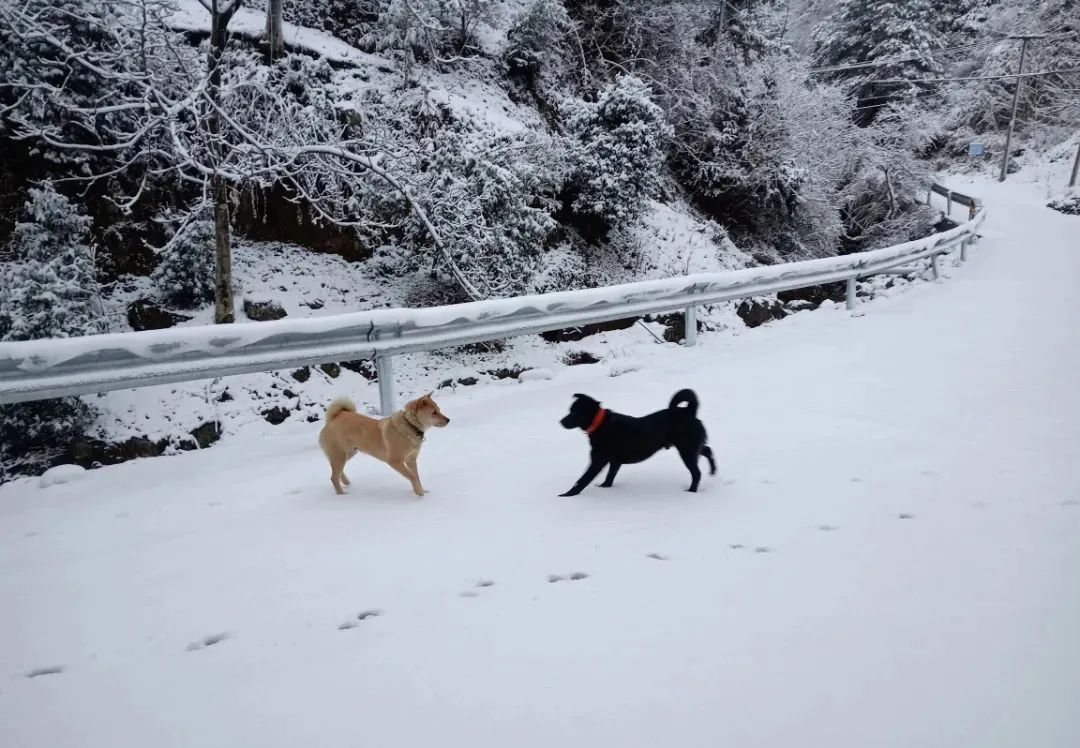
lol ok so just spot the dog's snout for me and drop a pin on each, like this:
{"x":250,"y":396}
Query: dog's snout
{"x":445,"y":420}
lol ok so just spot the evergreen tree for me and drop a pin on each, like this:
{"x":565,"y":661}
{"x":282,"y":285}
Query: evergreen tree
{"x":536,"y":39}
{"x":902,"y":35}
{"x":48,"y":291}
{"x":51,"y":283}
{"x":185,"y":274}
{"x":618,"y":150}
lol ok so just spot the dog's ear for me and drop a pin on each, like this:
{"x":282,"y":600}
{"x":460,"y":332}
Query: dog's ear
{"x":578,"y":396}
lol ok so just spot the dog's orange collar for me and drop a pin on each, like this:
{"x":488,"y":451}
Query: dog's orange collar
{"x":596,"y":421}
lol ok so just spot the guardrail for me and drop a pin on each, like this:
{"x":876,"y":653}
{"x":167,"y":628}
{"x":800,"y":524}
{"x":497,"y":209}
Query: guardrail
{"x":42,"y":369}
{"x":951,"y":197}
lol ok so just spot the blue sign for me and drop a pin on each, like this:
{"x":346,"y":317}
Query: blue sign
{"x":975,"y":149}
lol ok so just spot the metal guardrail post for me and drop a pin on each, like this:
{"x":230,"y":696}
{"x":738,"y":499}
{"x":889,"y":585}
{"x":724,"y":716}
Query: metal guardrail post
{"x":385,"y":367}
{"x":690,"y":322}
{"x":850,"y":301}
{"x":948,"y":205}
{"x":963,"y":249}
{"x":934,"y":265}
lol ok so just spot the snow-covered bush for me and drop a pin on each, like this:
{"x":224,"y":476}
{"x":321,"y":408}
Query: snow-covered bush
{"x":184,"y":276}
{"x":488,"y":200}
{"x":51,"y":282}
{"x":431,"y":31}
{"x":48,"y":290}
{"x":617,"y":150}
{"x":559,"y":269}
{"x":1068,"y":202}
{"x":348,"y":20}
{"x":880,"y":205}
{"x":536,"y":39}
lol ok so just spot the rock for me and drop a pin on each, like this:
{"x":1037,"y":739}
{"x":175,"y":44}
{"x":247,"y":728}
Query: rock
{"x":512,"y":372}
{"x":288,"y":393}
{"x":206,"y":434}
{"x":61,"y":474}
{"x":331,"y":370}
{"x":276,"y":415}
{"x":302,"y":375}
{"x":225,"y":396}
{"x":675,"y":326}
{"x":1068,"y":203}
{"x":576,"y":358}
{"x":756,"y":312}
{"x":314,"y":304}
{"x":567,"y":334}
{"x":263,"y":311}
{"x":815,"y":294}
{"x":468,"y":381}
{"x":944,"y":224}
{"x":94,"y":452}
{"x":145,"y":314}
{"x":362,"y":366}
{"x":484,"y":346}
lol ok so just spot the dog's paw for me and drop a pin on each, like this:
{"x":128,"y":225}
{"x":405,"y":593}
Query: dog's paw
{"x":569,"y":493}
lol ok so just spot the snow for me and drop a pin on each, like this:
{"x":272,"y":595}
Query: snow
{"x":536,"y":375}
{"x":888,"y":556}
{"x":61,"y":474}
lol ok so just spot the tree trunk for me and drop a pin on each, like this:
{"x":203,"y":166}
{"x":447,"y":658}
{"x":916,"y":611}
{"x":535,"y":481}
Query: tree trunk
{"x":223,"y":291}
{"x":275,"y":38}
{"x":224,"y":312}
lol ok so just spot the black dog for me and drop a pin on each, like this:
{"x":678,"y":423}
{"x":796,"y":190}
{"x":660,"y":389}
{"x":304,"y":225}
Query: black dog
{"x":616,"y":440}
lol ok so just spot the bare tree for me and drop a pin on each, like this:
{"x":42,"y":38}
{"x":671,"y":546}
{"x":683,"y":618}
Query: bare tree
{"x":160,"y":114}
{"x":221,"y":12}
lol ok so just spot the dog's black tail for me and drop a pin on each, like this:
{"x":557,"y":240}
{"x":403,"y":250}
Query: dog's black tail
{"x":685,"y":396}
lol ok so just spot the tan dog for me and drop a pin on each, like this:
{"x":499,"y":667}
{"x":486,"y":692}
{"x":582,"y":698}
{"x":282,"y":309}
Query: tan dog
{"x":396,"y":439}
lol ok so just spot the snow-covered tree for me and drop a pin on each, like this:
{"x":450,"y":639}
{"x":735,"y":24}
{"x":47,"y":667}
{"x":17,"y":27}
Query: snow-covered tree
{"x":47,"y":290}
{"x":184,"y":276}
{"x":537,"y":39}
{"x":901,"y":38}
{"x":618,"y":148}
{"x":51,"y":283}
{"x":489,"y":196}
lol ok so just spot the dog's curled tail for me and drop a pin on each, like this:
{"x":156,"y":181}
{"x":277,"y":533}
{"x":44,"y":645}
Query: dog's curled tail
{"x":685,"y":396}
{"x":337,"y":405}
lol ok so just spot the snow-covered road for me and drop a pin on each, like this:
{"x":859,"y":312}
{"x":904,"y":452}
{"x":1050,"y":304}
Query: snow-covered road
{"x":889,"y":557}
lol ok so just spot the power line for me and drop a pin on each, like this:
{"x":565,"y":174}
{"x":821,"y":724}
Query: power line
{"x":973,"y":46}
{"x":890,"y":60}
{"x":1003,"y":76}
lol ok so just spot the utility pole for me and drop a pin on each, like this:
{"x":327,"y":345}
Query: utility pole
{"x":1016,"y":100}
